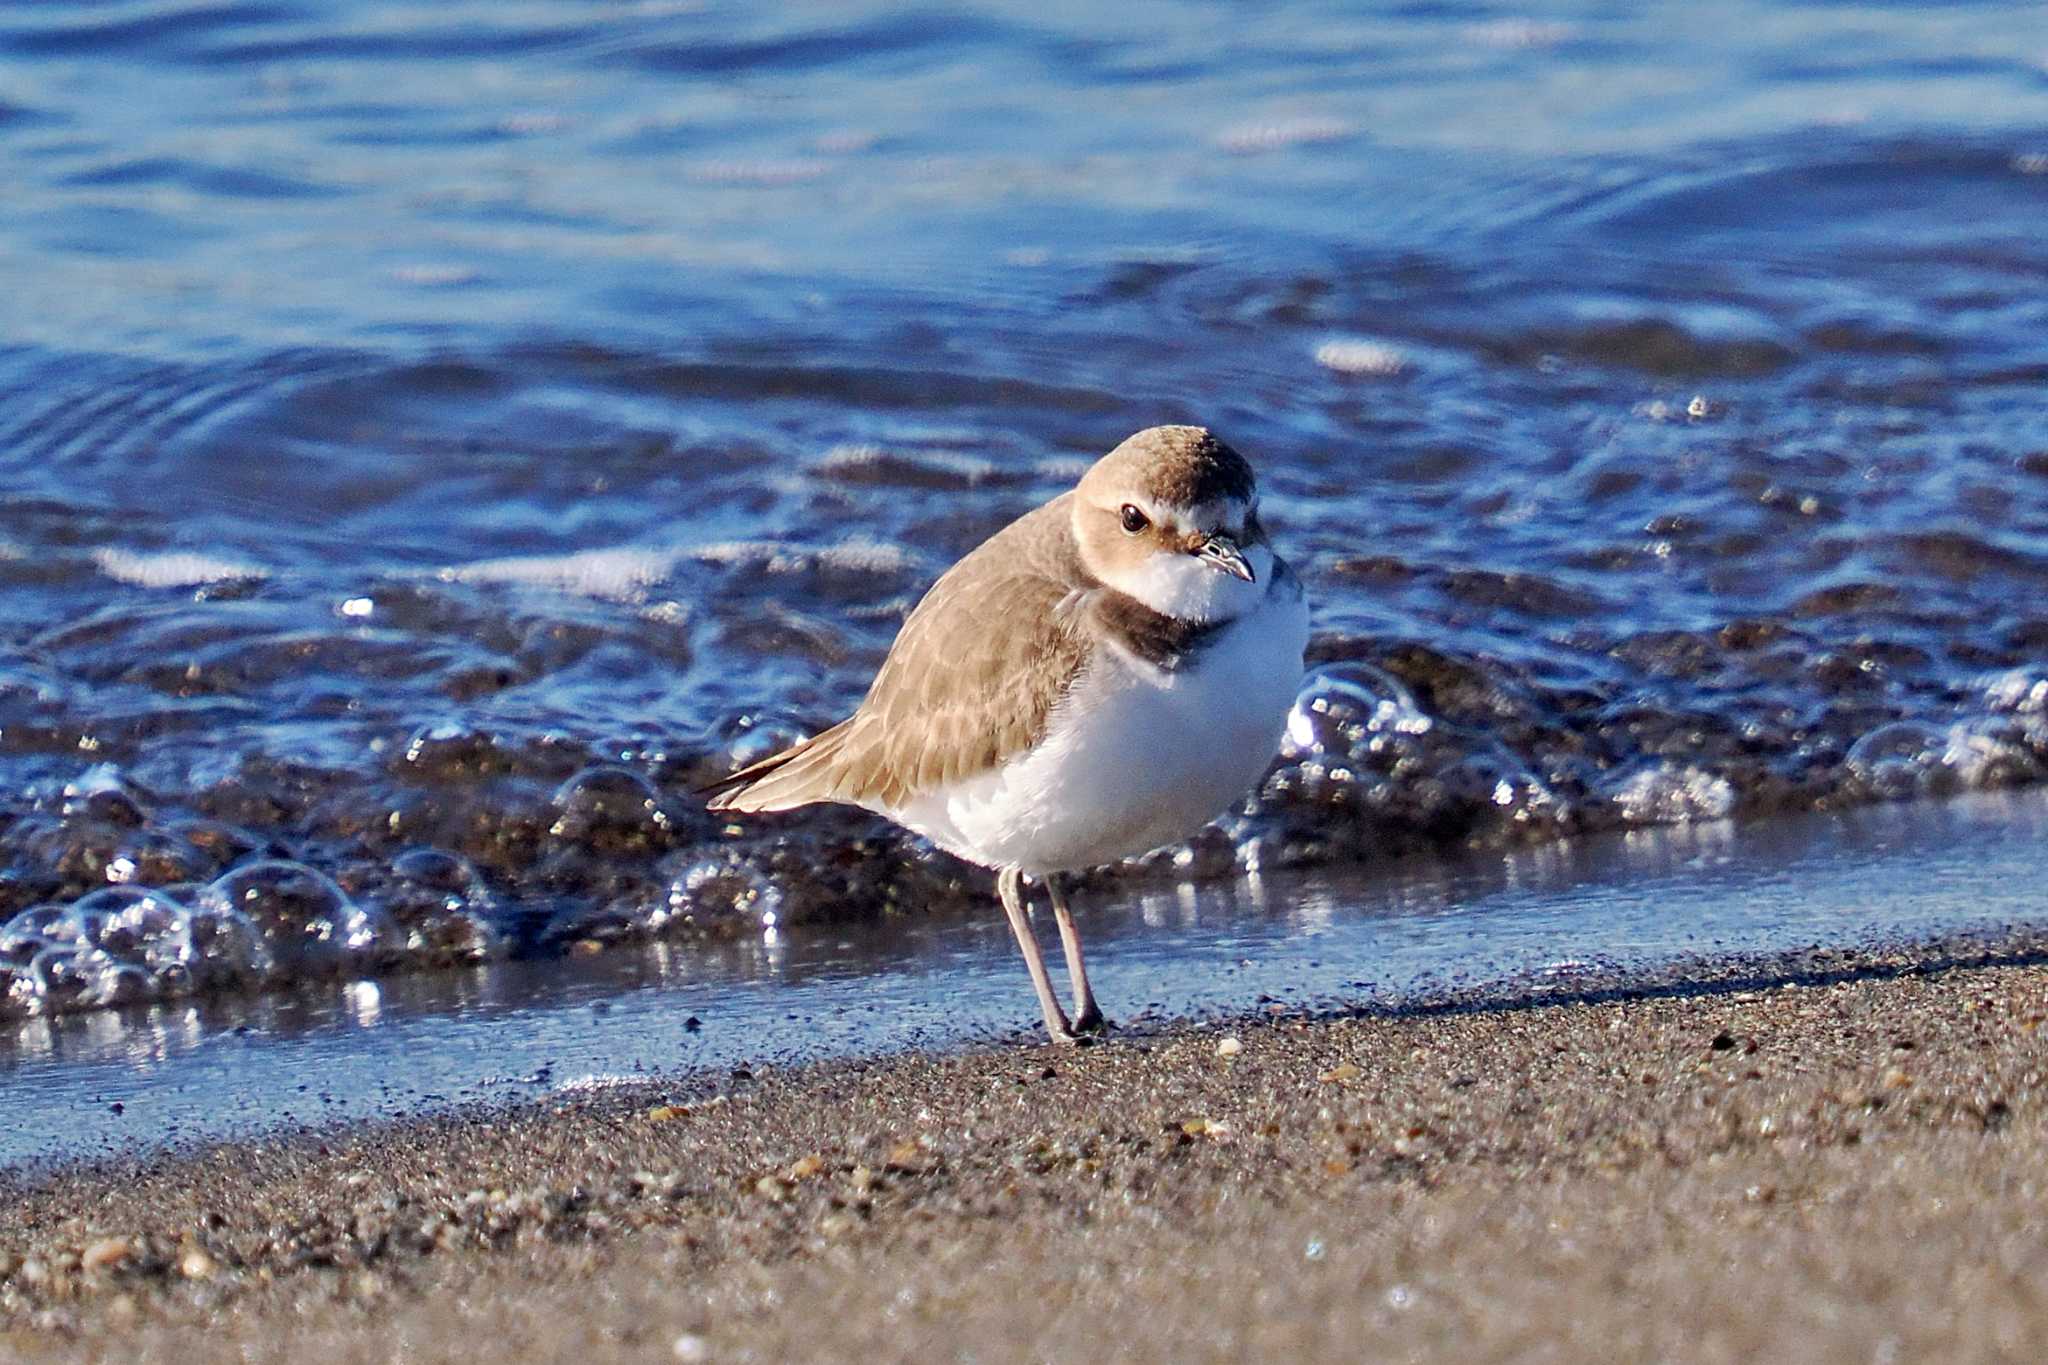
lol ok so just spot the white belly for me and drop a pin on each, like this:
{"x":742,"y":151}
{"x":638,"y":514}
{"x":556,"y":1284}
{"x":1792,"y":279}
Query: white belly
{"x":1134,"y":758}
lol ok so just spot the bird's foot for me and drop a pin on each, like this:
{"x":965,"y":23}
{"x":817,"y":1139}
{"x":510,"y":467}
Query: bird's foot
{"x":1090,"y":1021}
{"x":1086,"y":1030}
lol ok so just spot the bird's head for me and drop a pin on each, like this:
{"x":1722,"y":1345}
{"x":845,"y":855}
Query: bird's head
{"x":1171,"y":518}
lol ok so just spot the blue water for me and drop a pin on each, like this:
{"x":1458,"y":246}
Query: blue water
{"x":434,"y":436}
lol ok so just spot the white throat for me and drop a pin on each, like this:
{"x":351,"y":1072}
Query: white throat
{"x":1191,"y":589}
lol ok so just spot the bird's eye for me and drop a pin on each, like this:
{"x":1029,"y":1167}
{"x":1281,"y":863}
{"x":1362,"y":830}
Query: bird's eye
{"x":1134,"y":520}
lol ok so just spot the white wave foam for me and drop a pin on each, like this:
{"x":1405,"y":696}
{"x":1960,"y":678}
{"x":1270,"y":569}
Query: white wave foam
{"x":1674,"y":795}
{"x":857,"y":554}
{"x":170,"y":568}
{"x":1356,"y":355}
{"x":1245,"y":139}
{"x":1517,"y":34}
{"x":622,"y":574}
{"x":765,"y":173}
{"x":856,"y":455}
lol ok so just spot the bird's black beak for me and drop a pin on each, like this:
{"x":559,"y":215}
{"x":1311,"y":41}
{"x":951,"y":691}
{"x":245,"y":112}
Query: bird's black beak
{"x":1221,"y":552}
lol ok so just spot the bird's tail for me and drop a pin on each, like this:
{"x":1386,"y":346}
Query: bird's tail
{"x":799,"y":775}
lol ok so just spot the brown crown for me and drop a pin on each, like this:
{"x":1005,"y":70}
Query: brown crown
{"x":1179,"y":466}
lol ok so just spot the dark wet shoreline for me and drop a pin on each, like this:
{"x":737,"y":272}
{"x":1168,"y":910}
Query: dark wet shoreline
{"x":1638,"y":911}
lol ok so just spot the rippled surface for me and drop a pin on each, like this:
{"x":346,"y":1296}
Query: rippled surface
{"x":434,"y":436}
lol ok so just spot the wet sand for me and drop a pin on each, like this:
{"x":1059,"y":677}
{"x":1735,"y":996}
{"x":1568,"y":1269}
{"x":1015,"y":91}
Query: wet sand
{"x":1832,"y":1165}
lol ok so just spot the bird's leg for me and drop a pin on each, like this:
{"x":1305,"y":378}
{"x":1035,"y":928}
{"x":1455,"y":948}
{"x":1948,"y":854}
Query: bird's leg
{"x":1010,"y":887}
{"x":1087,"y":1018}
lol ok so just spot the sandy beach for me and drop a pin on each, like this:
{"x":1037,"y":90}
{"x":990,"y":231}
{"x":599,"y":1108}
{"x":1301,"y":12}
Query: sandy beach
{"x":1841,"y":1165}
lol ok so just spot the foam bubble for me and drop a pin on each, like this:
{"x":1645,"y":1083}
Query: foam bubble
{"x":1994,"y":752}
{"x":308,"y":924}
{"x":1364,"y":770}
{"x":1917,"y":758}
{"x":104,"y":793}
{"x":1897,"y":760}
{"x":442,"y":907}
{"x":726,"y":887}
{"x":1342,"y":703}
{"x":612,"y":809}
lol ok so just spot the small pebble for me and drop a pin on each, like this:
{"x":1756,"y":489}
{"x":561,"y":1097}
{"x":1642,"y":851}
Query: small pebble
{"x":197,"y":1265}
{"x":690,"y":1346}
{"x":106,"y":1253}
{"x":1229,"y":1047}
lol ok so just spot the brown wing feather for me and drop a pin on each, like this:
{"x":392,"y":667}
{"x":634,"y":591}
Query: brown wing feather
{"x":758,"y":786}
{"x":971,"y":680}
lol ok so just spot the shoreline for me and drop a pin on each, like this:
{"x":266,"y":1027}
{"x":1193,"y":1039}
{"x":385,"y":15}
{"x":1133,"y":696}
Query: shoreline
{"x":1470,"y":1177}
{"x":1628,"y":914}
{"x":1585,"y":982}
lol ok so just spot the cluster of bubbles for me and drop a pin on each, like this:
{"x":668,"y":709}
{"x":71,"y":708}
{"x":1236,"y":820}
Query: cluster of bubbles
{"x":1367,"y":769}
{"x":264,"y":920}
{"x":1364,"y":770}
{"x":2003,"y":745}
{"x":269,"y":921}
{"x":131,"y":944}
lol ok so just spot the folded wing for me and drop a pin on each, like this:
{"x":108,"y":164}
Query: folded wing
{"x":970,"y":682}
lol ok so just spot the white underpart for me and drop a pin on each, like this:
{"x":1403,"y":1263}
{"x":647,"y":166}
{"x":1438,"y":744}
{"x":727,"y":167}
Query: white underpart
{"x":1134,"y":757}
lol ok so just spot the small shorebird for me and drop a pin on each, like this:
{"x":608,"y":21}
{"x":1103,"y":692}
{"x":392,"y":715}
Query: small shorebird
{"x":1100,"y":678}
